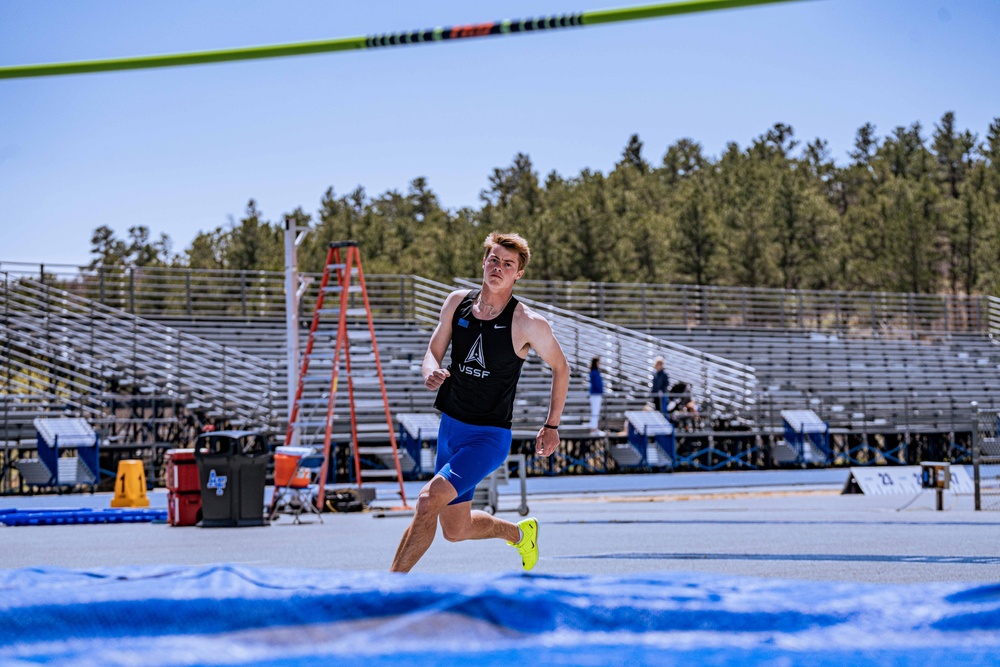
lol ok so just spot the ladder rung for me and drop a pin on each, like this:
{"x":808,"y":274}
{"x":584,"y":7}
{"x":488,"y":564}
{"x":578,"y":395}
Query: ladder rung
{"x":357,"y":354}
{"x":354,"y":269}
{"x":314,"y":401}
{"x":308,"y":423}
{"x":351,"y":312}
{"x":374,"y":428}
{"x":368,"y":404}
{"x":380,"y":474}
{"x":375,"y":450}
{"x":359,"y":334}
{"x":359,"y":381}
{"x":351,"y":289}
{"x":315,"y":438}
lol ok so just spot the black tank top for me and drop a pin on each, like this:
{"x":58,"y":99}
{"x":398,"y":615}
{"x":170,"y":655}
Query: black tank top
{"x":484,"y":367}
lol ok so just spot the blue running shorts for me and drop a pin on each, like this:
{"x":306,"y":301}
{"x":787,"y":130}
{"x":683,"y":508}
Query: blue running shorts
{"x":467,"y":454}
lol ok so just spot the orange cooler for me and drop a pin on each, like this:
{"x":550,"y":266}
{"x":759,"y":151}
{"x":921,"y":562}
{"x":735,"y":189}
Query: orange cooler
{"x":286,"y":459}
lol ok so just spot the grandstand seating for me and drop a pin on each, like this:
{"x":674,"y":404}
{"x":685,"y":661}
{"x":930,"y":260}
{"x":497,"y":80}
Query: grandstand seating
{"x":65,"y":354}
{"x":876,"y":378}
{"x":860,"y":382}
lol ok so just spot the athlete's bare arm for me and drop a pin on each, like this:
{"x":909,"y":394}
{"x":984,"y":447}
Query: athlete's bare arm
{"x":434,"y":375}
{"x":531,"y":330}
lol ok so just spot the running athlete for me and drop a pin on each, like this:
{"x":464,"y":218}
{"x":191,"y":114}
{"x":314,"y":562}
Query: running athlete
{"x":490,"y":333}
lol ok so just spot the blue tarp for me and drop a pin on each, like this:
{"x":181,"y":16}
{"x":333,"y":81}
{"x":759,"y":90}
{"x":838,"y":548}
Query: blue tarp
{"x":233,"y":615}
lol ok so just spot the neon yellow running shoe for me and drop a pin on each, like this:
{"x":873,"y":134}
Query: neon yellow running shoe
{"x":528,"y":546}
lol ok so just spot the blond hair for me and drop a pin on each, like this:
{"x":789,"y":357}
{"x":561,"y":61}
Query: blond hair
{"x":510,"y":241}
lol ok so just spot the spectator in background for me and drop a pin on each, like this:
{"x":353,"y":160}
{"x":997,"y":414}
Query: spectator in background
{"x":596,"y":393}
{"x":681,"y":408}
{"x":660,"y":384}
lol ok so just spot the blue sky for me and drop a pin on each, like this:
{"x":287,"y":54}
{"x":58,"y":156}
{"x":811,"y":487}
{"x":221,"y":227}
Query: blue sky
{"x":181,"y":150}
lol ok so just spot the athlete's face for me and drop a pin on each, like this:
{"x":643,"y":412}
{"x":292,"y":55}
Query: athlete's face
{"x":500,"y":267}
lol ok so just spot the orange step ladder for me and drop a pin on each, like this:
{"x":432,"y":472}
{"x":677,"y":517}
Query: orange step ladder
{"x":343,"y":264}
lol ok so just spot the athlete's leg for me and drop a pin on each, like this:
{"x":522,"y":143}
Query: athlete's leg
{"x":461,"y":522}
{"x":485,"y":449}
{"x":417,"y":538}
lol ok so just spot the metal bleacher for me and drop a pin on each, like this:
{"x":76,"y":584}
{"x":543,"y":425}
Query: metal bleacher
{"x":806,"y":442}
{"x":863,"y":363}
{"x":71,"y":356}
{"x":858,"y":383}
{"x":418,"y":434}
{"x":53,"y":468}
{"x":627,"y":358}
{"x":650,"y":443}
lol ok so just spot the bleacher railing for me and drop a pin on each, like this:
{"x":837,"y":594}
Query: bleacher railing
{"x":193,"y":293}
{"x":238,"y":387}
{"x":860,"y":313}
{"x":199,"y":293}
{"x":627,"y":359}
{"x":39,"y":375}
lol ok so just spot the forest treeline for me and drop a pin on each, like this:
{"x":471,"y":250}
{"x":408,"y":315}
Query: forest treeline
{"x":909,"y":212}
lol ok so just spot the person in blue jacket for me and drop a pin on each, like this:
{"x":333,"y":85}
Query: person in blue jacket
{"x":660,"y":383}
{"x":596,"y":393}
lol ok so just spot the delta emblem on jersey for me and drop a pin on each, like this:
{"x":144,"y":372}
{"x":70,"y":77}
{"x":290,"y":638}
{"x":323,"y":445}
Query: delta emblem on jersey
{"x":476,"y":356}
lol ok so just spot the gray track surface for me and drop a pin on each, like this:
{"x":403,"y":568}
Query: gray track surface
{"x":776,"y":524}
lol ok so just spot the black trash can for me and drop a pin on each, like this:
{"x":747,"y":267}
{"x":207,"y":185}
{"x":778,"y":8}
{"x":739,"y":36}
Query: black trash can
{"x":232,"y":470}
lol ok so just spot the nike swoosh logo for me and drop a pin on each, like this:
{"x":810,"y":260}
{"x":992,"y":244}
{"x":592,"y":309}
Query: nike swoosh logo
{"x":497,"y":326}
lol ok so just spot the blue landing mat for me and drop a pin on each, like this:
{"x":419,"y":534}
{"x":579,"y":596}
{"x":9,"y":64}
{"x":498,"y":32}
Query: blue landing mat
{"x":229,"y":615}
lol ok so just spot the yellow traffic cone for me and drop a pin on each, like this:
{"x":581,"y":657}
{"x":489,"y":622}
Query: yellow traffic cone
{"x":130,"y":485}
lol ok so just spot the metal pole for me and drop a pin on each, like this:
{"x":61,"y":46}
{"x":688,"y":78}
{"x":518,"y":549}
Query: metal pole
{"x":225,"y":400}
{"x":8,"y":484}
{"x":644,"y":305}
{"x":975,"y":457}
{"x":293,"y":237}
{"x":243,"y":293}
{"x":402,"y":298}
{"x":874,"y":326}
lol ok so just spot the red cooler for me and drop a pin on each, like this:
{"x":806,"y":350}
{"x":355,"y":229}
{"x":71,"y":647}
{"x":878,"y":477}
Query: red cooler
{"x":183,"y":486}
{"x":182,"y":471}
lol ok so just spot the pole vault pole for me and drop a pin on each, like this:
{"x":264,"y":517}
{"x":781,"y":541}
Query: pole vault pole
{"x":412,"y":37}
